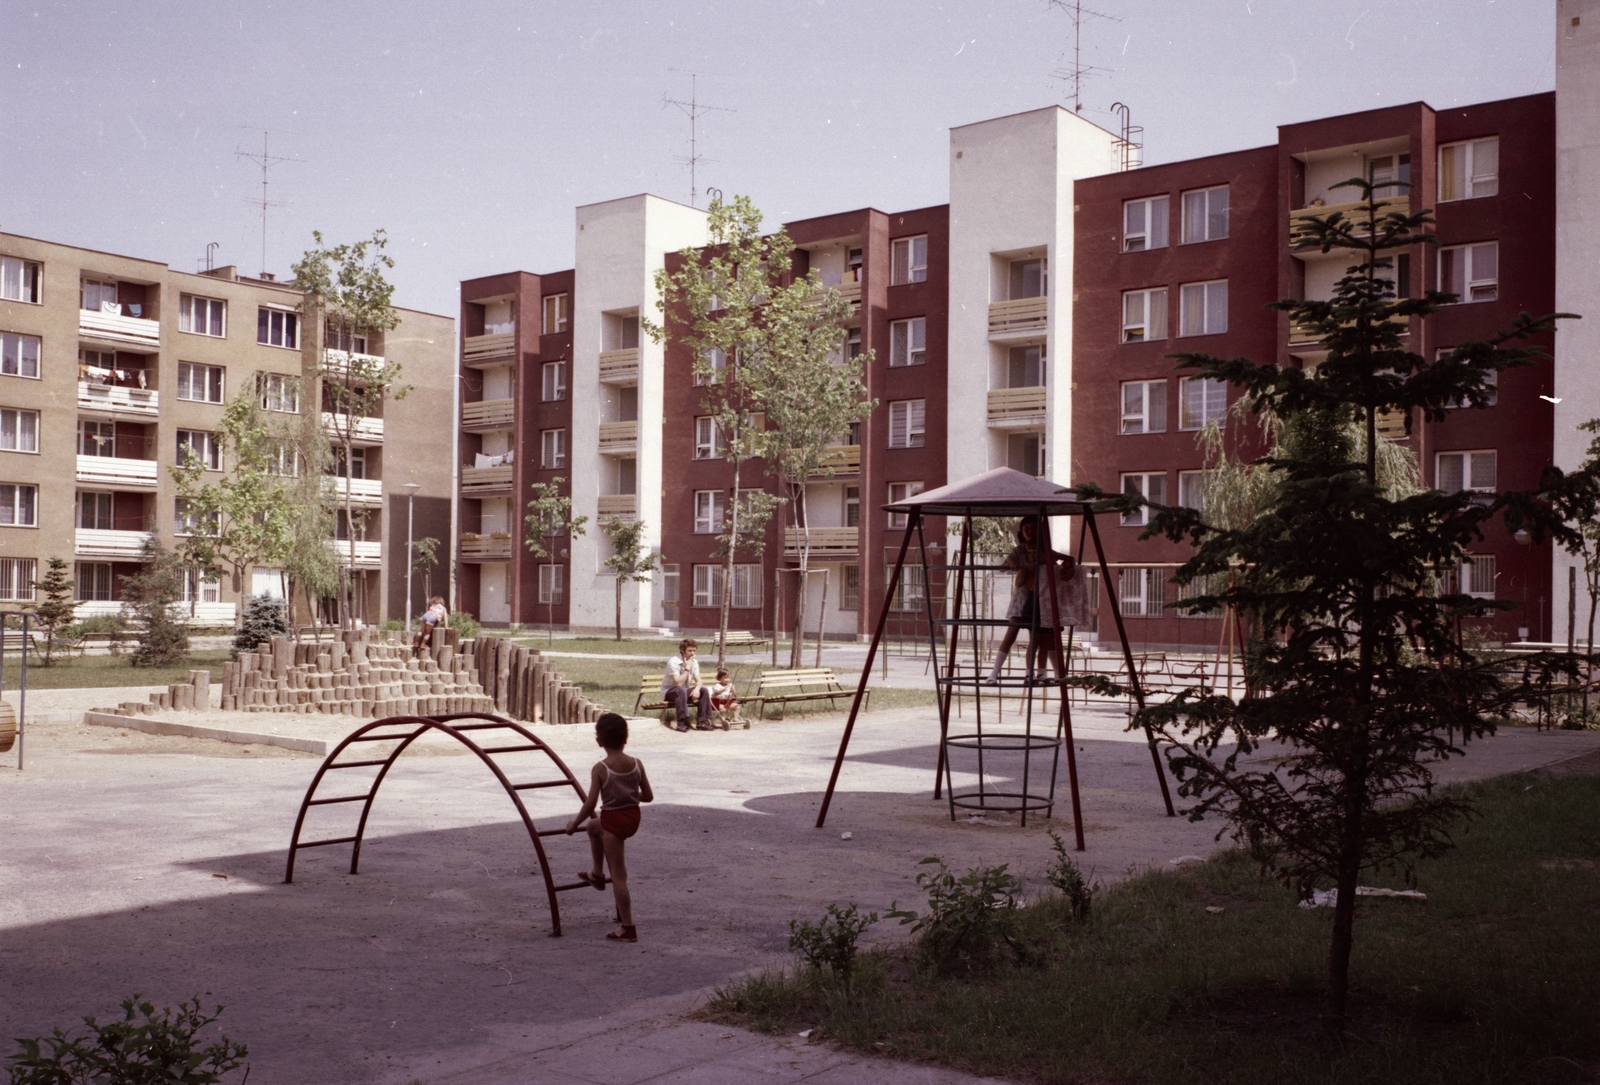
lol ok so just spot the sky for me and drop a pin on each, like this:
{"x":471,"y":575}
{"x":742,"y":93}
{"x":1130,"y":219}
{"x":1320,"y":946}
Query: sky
{"x":470,"y":130}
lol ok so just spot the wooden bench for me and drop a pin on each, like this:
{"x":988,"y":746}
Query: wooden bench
{"x":807,"y":684}
{"x":742,"y":638}
{"x":650,"y":686}
{"x":19,"y":643}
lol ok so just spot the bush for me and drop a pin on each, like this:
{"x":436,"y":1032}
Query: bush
{"x":831,"y":944}
{"x":1068,"y":880}
{"x":264,"y":618}
{"x":393,"y":625}
{"x":126,"y":1052}
{"x":466,"y":625}
{"x":152,"y":594}
{"x":968,"y":917}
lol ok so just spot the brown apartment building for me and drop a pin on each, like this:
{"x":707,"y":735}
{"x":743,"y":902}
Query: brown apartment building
{"x":111,"y":365}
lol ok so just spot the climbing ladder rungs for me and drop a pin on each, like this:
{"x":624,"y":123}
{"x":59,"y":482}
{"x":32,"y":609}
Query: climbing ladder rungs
{"x":542,"y":783}
{"x":359,"y":764}
{"x":510,"y":749}
{"x":341,"y":798}
{"x":324,"y":843}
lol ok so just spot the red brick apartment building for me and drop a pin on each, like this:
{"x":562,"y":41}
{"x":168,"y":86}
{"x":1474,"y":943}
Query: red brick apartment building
{"x":1185,"y":257}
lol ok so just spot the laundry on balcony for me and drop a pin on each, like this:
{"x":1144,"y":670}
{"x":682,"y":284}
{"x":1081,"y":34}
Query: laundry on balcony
{"x":480,"y":460}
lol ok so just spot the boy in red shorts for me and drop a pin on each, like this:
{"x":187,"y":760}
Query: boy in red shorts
{"x":619,"y":783}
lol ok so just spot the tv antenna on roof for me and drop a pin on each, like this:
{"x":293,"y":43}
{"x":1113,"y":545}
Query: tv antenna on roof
{"x":692,"y":109}
{"x":267,"y":161}
{"x":1079,"y":70}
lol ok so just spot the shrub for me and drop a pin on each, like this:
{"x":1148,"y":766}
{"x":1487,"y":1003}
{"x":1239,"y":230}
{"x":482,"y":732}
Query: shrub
{"x":393,"y":625}
{"x":968,"y":917}
{"x":152,"y":594}
{"x":466,"y":624}
{"x":128,"y":1052}
{"x":264,"y":618}
{"x":831,"y":944}
{"x":1069,"y":880}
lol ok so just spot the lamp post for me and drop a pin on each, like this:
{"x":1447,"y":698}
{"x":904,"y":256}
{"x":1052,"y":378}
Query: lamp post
{"x":411,"y":489}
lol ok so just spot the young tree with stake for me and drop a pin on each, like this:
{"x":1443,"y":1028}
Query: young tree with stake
{"x":56,"y":609}
{"x":550,"y":517}
{"x":628,"y":559}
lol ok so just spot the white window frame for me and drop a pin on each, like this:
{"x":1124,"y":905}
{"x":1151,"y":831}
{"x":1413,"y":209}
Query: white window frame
{"x":1477,"y":178}
{"x":1191,"y":489}
{"x":908,"y":423}
{"x":278,"y":392}
{"x":1490,"y":378}
{"x":212,"y":382}
{"x":192,"y":588}
{"x":713,"y":363}
{"x":186,"y":523}
{"x":561,"y":304}
{"x":205,"y":446}
{"x":708,"y":585}
{"x":283,"y":460}
{"x":213,"y":313}
{"x":1478,"y":283}
{"x":554,"y":382}
{"x":1148,"y":600}
{"x":710,"y":511}
{"x":851,"y":513}
{"x":89,"y":519}
{"x":16,"y":579}
{"x":19,"y":504}
{"x":552,"y":576}
{"x":277,"y":328}
{"x":1149,"y":324}
{"x":1212,"y":312}
{"x":908,"y":342}
{"x":1200,"y":214}
{"x":1150,"y":485}
{"x":850,"y":587}
{"x":19,"y":430}
{"x":898,"y":492}
{"x":671,"y":587}
{"x":92,"y":583}
{"x":708,"y":441}
{"x":552,"y":449}
{"x":1149,"y":234}
{"x":15,"y":359}
{"x":1477,"y":468}
{"x":910,"y":595}
{"x":1209,"y":396}
{"x":97,"y":438}
{"x":1147,"y":415}
{"x":908,"y":260}
{"x":21,"y":280}
{"x":746,"y":587}
{"x":1474,"y":576}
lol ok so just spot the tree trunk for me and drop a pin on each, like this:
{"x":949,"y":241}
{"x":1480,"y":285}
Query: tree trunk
{"x":797,"y":647}
{"x":727,"y":570}
{"x":349,"y":521}
{"x":619,"y":606}
{"x":1344,"y":917}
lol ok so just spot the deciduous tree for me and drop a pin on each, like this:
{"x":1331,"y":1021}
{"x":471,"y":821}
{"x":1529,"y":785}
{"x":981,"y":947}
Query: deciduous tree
{"x":549,"y":517}
{"x":628,"y":561}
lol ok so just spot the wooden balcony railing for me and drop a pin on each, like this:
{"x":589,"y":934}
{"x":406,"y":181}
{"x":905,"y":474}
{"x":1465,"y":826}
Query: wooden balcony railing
{"x":826,"y":542}
{"x":619,"y":437}
{"x":481,"y":548}
{"x":1303,"y":335}
{"x":844,"y":459}
{"x":619,"y":507}
{"x":1017,"y":406}
{"x":1022,"y":317}
{"x":489,"y":414}
{"x":1355,"y":213}
{"x":619,"y":366}
{"x":478,"y":348}
{"x":480,"y":481}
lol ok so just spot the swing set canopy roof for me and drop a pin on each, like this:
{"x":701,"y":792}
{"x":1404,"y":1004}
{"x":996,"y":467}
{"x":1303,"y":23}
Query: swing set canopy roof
{"x":1001,"y":492}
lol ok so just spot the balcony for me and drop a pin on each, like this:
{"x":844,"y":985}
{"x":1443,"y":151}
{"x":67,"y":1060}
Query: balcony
{"x":369,"y":552}
{"x":1017,"y":408}
{"x":1391,"y":425}
{"x":619,"y":438}
{"x":488,"y":414}
{"x":1024,"y":318}
{"x":1304,"y":338}
{"x":361,"y":429}
{"x":482,"y":348}
{"x":844,"y":459}
{"x":826,"y":542}
{"x":131,"y":401}
{"x":1300,"y":220}
{"x":105,"y":543}
{"x":124,"y":331}
{"x":619,"y":366}
{"x":365,"y":492}
{"x":623,"y":507}
{"x":118,"y":472}
{"x":485,"y":481}
{"x":340,"y":363}
{"x":849,"y":288}
{"x":486,"y":548}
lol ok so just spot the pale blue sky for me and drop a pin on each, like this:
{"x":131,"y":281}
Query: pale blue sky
{"x":471,"y":129}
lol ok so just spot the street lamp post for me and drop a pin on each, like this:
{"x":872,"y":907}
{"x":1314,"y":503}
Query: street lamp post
{"x":411,"y":489}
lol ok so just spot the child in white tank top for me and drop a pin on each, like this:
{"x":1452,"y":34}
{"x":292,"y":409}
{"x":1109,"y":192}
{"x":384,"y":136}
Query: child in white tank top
{"x":620,"y":784}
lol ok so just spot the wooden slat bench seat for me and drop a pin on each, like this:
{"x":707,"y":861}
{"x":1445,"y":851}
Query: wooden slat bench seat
{"x":742,"y":638}
{"x":807,"y":684}
{"x":650,"y":687}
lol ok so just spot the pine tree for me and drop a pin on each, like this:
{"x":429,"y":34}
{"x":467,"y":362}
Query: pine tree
{"x":150,"y":595}
{"x":264,"y":618}
{"x":57,"y":608}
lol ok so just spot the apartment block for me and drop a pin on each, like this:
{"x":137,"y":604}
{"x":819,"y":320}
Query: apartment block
{"x":112,"y":366}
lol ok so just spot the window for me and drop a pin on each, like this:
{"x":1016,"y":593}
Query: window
{"x":1152,"y":486}
{"x":852,"y":344}
{"x":708,"y":585}
{"x":341,"y":338}
{"x":710,"y":509}
{"x":911,"y":593}
{"x":1025,"y":453}
{"x":1390,"y":174}
{"x":200,"y":382}
{"x":1200,"y":402}
{"x":898,"y":492}
{"x":202,"y":316}
{"x":204,"y":445}
{"x":713,"y":361}
{"x":188,"y":521}
{"x":552,"y":449}
{"x":908,"y":260}
{"x":19,"y":430}
{"x":907,"y":420}
{"x":1201,"y":585}
{"x":1027,"y":279}
{"x":342,"y":522}
{"x":852,"y":506}
{"x":1468,"y":170}
{"x":908,"y":342}
{"x":747,"y":587}
{"x":556,"y":314}
{"x":1203,"y":308}
{"x":1471,"y":272}
{"x":19,"y":355}
{"x":97,"y":438}
{"x":1144,"y":315}
{"x":19,"y":280}
{"x":1140,"y":592}
{"x":98,"y":296}
{"x":1025,"y":367}
{"x":1144,"y":224}
{"x":194,"y":588}
{"x":1192,"y":489}
{"x":283,"y":459}
{"x":95,"y":512}
{"x":1144,"y":407}
{"x":707,"y":439}
{"x":94,"y":582}
{"x":1491,"y":379}
{"x":1474,"y":576}
{"x":18,"y":505}
{"x":850,"y":587}
{"x":16,"y":579}
{"x":277,"y":328}
{"x":669,"y":587}
{"x":1205,"y":215}
{"x":552,"y":578}
{"x":1458,"y":471}
{"x":555,"y":381}
{"x":279,"y":392}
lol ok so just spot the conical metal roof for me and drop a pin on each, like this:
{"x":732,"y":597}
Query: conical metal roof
{"x":1001,"y":492}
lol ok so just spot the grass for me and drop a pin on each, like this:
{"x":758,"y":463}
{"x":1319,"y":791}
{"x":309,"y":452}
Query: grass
{"x":92,"y":672}
{"x":652,"y":647}
{"x":1490,"y":980}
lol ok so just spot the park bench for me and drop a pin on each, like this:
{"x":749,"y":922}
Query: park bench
{"x":741,"y":638}
{"x":18,"y":642}
{"x":804,"y":685}
{"x":650,"y":686}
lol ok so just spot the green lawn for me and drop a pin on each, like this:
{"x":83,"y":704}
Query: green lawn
{"x":1492,"y":979}
{"x":89,"y":672}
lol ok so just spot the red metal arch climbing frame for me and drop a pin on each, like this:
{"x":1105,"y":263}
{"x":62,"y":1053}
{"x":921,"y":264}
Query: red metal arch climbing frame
{"x":404,"y":730}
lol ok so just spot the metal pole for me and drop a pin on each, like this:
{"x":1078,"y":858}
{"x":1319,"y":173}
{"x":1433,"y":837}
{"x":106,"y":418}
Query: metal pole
{"x":22,"y":711}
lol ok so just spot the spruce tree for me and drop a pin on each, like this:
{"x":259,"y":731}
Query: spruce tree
{"x":56,"y":609}
{"x":150,"y":595}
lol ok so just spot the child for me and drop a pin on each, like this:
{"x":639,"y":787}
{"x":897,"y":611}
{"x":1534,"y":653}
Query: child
{"x":436,"y":614}
{"x":725,"y":700}
{"x":620,"y":783}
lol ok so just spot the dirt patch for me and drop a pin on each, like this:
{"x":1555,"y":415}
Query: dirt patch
{"x":1587,"y":764}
